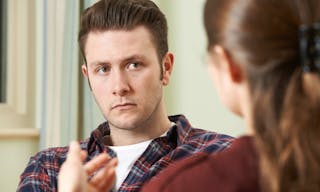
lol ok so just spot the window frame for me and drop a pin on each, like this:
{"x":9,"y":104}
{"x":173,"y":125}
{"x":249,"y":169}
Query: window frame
{"x":17,"y":113}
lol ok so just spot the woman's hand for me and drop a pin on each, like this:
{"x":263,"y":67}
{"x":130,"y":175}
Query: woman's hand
{"x":96,"y":175}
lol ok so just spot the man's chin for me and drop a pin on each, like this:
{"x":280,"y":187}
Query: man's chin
{"x":124,"y":123}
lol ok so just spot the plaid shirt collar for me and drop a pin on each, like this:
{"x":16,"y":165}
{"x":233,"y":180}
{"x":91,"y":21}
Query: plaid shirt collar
{"x":176,"y":135}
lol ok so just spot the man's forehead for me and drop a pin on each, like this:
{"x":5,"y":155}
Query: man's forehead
{"x":137,"y":32}
{"x":120,"y":43}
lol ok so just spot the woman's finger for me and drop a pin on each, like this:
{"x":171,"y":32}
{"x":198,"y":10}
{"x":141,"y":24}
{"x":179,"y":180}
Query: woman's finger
{"x":74,"y":152}
{"x":96,"y":163}
{"x":104,"y":179}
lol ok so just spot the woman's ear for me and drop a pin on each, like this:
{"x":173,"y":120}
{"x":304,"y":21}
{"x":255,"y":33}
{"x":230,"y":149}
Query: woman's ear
{"x":233,"y":70}
{"x":167,"y":67}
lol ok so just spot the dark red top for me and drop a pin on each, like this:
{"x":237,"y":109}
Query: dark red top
{"x":235,"y":169}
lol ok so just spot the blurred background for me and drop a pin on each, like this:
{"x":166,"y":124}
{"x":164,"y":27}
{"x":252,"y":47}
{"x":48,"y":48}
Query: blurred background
{"x":45,"y":101}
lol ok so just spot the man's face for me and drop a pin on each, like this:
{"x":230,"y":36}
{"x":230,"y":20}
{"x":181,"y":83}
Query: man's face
{"x":124,"y":73}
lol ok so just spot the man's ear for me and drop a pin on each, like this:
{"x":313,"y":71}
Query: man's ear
{"x":84,"y":70}
{"x":232,"y":68}
{"x":167,"y":67}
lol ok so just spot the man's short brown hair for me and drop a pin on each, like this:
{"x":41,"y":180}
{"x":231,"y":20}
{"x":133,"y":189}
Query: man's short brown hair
{"x":125,"y":15}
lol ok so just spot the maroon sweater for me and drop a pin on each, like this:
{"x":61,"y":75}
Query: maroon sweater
{"x":235,"y":169}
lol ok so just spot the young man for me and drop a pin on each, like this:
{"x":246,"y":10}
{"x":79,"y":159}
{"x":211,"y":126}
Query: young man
{"x":127,"y":64}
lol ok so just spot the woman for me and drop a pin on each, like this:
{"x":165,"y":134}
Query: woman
{"x":264,"y":58}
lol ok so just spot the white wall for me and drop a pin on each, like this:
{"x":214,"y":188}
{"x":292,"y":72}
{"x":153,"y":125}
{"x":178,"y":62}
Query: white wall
{"x":191,"y":91}
{"x":15,"y":153}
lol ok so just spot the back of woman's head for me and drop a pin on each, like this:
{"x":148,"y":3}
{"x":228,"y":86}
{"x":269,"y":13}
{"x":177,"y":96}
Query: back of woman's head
{"x":269,"y":40}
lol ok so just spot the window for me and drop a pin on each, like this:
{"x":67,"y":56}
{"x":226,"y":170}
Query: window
{"x":17,"y":108}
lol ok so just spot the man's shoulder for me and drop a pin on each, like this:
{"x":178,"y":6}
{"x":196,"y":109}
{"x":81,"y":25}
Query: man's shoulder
{"x":50,"y":158}
{"x":54,"y":154}
{"x":185,"y":128}
{"x":207,"y":135}
{"x":196,"y":139}
{"x":208,"y":141}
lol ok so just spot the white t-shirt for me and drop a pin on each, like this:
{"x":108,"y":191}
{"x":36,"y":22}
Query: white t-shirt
{"x":127,"y":156}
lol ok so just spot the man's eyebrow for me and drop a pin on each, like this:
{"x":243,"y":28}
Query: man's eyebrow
{"x":95,"y":63}
{"x":124,"y":60}
{"x":134,"y":57}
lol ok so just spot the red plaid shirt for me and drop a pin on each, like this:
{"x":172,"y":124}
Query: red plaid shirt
{"x":181,"y":141}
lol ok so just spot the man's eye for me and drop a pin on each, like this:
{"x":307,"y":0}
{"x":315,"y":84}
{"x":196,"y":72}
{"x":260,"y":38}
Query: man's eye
{"x":103,"y":69}
{"x":133,"y":66}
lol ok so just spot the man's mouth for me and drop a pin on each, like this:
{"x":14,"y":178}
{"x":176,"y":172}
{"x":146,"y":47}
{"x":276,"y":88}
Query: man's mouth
{"x":123,"y":106}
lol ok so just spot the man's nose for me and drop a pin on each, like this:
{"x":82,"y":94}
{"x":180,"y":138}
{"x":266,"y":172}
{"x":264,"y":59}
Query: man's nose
{"x":120,"y":84}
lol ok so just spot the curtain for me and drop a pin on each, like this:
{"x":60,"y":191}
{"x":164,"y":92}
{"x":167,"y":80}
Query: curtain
{"x":58,"y":66}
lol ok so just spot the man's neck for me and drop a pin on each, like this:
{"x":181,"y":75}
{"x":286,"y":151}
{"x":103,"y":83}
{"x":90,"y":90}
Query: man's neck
{"x":148,"y":131}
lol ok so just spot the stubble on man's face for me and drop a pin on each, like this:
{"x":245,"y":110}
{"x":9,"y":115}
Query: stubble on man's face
{"x":123,"y":71}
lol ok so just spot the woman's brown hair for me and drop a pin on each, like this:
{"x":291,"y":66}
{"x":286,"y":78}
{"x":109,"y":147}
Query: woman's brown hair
{"x":263,"y":37}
